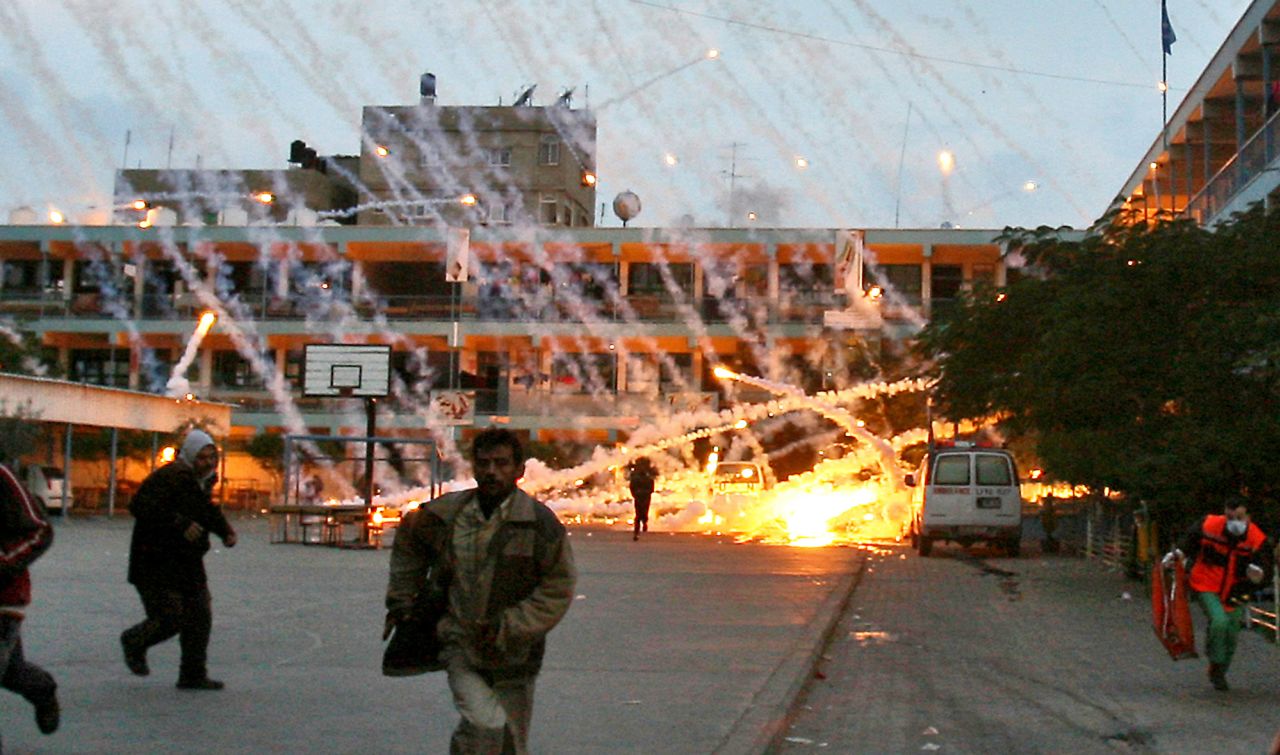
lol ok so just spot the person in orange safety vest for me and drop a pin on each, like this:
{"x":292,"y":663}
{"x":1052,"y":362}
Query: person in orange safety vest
{"x":1225,"y":549}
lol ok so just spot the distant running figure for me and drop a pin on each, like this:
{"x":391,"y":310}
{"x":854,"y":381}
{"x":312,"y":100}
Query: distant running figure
{"x":641,"y":476}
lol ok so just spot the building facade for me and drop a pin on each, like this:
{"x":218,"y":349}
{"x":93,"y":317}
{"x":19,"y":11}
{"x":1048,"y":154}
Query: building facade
{"x":1220,"y":150}
{"x":569,"y":333}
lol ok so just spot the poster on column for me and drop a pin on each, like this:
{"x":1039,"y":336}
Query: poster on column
{"x":848,"y":261}
{"x":451,"y":408}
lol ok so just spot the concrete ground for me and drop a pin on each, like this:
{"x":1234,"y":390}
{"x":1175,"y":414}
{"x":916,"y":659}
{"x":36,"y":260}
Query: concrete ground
{"x":676,"y":644}
{"x":973,"y":652}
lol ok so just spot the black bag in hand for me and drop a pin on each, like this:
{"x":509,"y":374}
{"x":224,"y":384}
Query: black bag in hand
{"x":415,"y":646}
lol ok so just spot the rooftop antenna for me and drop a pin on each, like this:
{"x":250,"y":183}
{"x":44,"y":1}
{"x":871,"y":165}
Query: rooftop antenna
{"x":526,"y":98}
{"x":902,"y":156}
{"x":733,"y":175}
{"x":566,"y":98}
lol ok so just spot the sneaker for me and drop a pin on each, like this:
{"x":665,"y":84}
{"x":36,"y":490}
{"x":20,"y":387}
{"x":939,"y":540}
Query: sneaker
{"x":1218,"y":678}
{"x":48,"y":714}
{"x":203,"y":683}
{"x":134,"y":657}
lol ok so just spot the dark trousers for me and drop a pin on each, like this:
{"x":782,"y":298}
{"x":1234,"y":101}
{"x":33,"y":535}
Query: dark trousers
{"x":187,"y":613}
{"x":26,"y":679}
{"x":642,"y":498}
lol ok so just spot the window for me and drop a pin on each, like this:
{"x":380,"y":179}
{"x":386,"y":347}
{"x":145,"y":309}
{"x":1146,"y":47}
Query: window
{"x":952,"y":469}
{"x":642,"y":373}
{"x":498,"y":155}
{"x":109,"y":367}
{"x":805,"y":277}
{"x":549,"y":152}
{"x":902,"y":280}
{"x":677,"y":372}
{"x":230,"y":370}
{"x":499,"y":211}
{"x":946,"y":281}
{"x":548,"y":209}
{"x":992,"y":470}
{"x":21,"y":275}
{"x":584,"y":373}
{"x":645,"y":278}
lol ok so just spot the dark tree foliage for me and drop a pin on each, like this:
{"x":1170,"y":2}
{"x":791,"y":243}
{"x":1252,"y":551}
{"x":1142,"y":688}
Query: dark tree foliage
{"x":1144,"y":359}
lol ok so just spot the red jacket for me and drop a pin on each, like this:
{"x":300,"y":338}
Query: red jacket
{"x":1220,"y":558}
{"x":25,"y":534}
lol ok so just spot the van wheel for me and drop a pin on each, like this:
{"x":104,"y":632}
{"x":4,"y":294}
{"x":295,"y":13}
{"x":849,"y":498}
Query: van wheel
{"x":1014,"y":547}
{"x":925,"y":546}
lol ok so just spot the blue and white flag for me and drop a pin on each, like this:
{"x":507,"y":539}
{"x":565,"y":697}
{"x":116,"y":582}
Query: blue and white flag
{"x":1167,"y":37}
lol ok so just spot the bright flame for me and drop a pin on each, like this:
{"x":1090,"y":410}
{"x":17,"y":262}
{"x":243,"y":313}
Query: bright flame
{"x":740,"y":424}
{"x":207,"y":319}
{"x":670,"y":159}
{"x":265,"y":197}
{"x":167,"y":454}
{"x":713,"y":53}
{"x":802,"y":163}
{"x":139,"y":204}
{"x":381,"y":151}
{"x":946,"y":161}
{"x":468,"y":199}
{"x":724,"y":373}
{"x":56,"y":217}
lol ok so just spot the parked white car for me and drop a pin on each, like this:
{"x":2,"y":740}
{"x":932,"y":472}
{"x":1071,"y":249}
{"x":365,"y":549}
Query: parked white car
{"x":45,"y":483}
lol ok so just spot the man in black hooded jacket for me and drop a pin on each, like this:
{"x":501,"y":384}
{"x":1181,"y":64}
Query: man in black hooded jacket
{"x":174,"y":515}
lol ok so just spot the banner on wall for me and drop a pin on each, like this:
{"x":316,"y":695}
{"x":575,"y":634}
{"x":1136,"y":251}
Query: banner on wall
{"x":850,"y":247}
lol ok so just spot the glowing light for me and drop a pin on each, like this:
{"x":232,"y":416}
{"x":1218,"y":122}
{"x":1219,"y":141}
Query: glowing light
{"x":588,"y":179}
{"x":875,"y":293}
{"x":713,"y":53}
{"x":167,"y":454}
{"x":207,"y":319}
{"x":751,"y":216}
{"x":1030,"y":186}
{"x":376,"y":518}
{"x":139,"y":204}
{"x":747,"y":473}
{"x":56,"y":217}
{"x":381,"y":151}
{"x":1155,"y":165}
{"x":740,"y":424}
{"x":264,"y":197}
{"x":1001,"y":296}
{"x":468,"y":199}
{"x":724,"y":373}
{"x":670,"y":159}
{"x":801,"y":162}
{"x":144,"y":223}
{"x":1162,"y":86}
{"x":946,"y":161}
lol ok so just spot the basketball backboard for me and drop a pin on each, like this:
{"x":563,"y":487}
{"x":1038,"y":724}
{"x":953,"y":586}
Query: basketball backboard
{"x":342,"y":369}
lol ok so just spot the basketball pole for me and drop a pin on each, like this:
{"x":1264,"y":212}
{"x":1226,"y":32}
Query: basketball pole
{"x":371,"y":428}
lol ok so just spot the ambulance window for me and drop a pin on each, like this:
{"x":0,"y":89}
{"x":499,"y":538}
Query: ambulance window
{"x":952,"y":470}
{"x":993,"y":470}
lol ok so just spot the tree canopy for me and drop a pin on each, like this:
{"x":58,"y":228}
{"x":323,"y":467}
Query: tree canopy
{"x":1140,"y":358}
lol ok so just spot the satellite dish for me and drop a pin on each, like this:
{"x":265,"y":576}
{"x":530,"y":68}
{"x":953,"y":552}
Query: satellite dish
{"x":626,"y":206}
{"x":566,"y":99}
{"x":526,"y":98}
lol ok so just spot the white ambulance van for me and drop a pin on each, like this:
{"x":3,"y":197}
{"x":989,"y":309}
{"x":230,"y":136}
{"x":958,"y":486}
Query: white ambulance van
{"x":966,"y":493}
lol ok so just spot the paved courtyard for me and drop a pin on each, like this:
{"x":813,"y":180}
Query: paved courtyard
{"x":678,"y":644}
